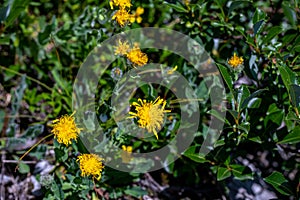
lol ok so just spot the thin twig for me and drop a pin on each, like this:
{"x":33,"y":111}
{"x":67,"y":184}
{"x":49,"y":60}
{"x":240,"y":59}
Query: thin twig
{"x":27,"y":152}
{"x":28,"y":77}
{"x":16,"y":161}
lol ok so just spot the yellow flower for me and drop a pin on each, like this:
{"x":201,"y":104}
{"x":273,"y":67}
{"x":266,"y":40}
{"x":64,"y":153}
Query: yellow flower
{"x":187,"y":2}
{"x":137,"y":57}
{"x":122,"y":17}
{"x":122,"y":48}
{"x":150,"y":114}
{"x":126,"y":153}
{"x":91,"y":164}
{"x":235,"y":61}
{"x":137,"y":15}
{"x":171,"y":71}
{"x":121,"y":3}
{"x":128,"y":148}
{"x":65,"y":129}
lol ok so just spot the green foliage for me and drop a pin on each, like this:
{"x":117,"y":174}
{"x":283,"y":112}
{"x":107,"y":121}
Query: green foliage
{"x":43,"y":45}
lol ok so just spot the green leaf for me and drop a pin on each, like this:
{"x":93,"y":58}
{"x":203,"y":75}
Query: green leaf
{"x":4,"y":40}
{"x":24,"y":168}
{"x":59,"y":80}
{"x":274,"y":114}
{"x":242,"y":94}
{"x":256,"y":139}
{"x":245,"y":126}
{"x":292,"y":116}
{"x":254,"y":103}
{"x":216,"y":114}
{"x":296,"y":48}
{"x":57,"y":190}
{"x":258,"y":16}
{"x":290,"y":35}
{"x":223,"y":173}
{"x":295,"y":95}
{"x":233,"y":113}
{"x":219,"y":143}
{"x":67,"y":186}
{"x":177,"y":7}
{"x":288,"y":76}
{"x":235,"y":4}
{"x":241,"y":172}
{"x":16,"y":7}
{"x":61,"y":154}
{"x":293,"y":137}
{"x":226,"y":76}
{"x":4,"y":11}
{"x":135,"y":192}
{"x":277,"y":180}
{"x":274,"y":31}
{"x":197,"y":157}
{"x":289,"y":13}
{"x":257,"y":27}
{"x":246,"y":102}
{"x":33,"y":131}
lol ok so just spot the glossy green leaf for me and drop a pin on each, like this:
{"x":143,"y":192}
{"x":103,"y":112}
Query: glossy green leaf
{"x":4,"y":12}
{"x":245,"y":126}
{"x":256,"y":139}
{"x":226,"y":76}
{"x":274,"y":114}
{"x":289,"y":13}
{"x":241,"y":172}
{"x":272,"y":32}
{"x":177,"y":7}
{"x":288,"y":76}
{"x":223,"y":173}
{"x":242,"y":94}
{"x":259,"y":15}
{"x":195,"y":156}
{"x":252,"y":96}
{"x":220,"y":142}
{"x":292,"y":116}
{"x":278,"y":181}
{"x":233,"y":113}
{"x":289,"y":37}
{"x":254,"y":103}
{"x":293,"y":137}
{"x":258,"y":26}
{"x":295,"y":95}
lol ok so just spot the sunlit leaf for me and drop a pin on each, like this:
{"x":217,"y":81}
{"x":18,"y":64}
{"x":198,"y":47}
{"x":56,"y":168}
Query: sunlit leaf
{"x":278,"y":181}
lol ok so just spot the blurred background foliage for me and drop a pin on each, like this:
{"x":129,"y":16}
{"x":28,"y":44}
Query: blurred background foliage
{"x":43,"y":43}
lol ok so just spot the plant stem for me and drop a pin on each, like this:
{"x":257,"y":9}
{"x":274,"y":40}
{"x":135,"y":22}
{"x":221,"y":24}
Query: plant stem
{"x":28,"y":77}
{"x":35,"y":145}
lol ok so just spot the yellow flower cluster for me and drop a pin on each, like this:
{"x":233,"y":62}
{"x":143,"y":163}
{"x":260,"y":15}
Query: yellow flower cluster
{"x":235,"y":61}
{"x":91,"y":164}
{"x":65,"y":129}
{"x":150,"y":114}
{"x":134,"y":55}
{"x":122,"y":15}
{"x":126,"y":153}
